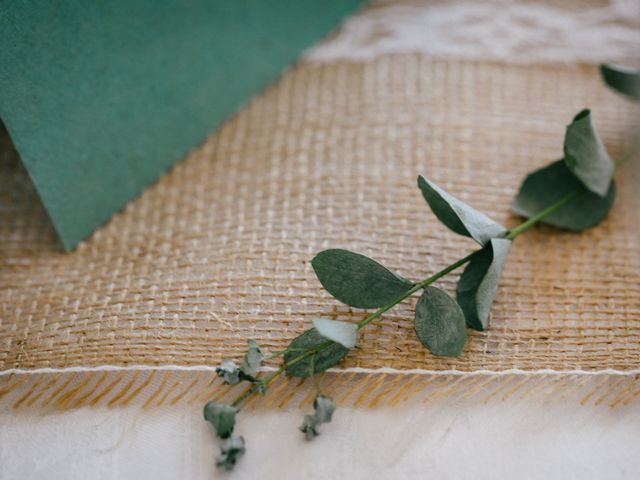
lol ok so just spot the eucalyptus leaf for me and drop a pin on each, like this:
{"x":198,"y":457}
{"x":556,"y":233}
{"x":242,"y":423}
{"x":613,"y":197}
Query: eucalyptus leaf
{"x":624,"y":80}
{"x":344,"y":333}
{"x":222,"y":417}
{"x":457,"y":215}
{"x":229,"y":372}
{"x":439,"y":323}
{"x":252,"y":359}
{"x":324,"y":408}
{"x":478,"y":283}
{"x":322,"y":360}
{"x":548,"y":185}
{"x":356,"y":280}
{"x":230,"y":451}
{"x":585,"y":155}
{"x":309,"y":427}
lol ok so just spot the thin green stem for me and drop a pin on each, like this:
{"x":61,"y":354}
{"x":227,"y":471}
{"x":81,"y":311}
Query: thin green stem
{"x":254,"y":388}
{"x":312,"y":373}
{"x":415,"y":288}
{"x":313,"y":351}
{"x":273,"y":355}
{"x":270,"y":378}
{"x":523,"y":227}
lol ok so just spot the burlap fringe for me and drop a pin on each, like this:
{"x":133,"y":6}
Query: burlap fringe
{"x":152,"y":388}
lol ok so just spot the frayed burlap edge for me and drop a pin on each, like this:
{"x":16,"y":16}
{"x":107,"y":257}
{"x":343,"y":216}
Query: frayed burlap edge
{"x":115,"y":387}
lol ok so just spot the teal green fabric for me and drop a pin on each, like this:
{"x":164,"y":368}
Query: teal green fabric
{"x":100,"y":98}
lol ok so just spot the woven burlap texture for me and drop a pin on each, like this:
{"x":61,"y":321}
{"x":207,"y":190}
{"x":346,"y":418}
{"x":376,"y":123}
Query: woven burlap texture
{"x":218,"y":250}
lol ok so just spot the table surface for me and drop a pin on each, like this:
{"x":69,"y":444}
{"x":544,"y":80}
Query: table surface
{"x":445,"y":439}
{"x":453,"y":438}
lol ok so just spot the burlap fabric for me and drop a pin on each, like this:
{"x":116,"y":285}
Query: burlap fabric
{"x":218,"y":250}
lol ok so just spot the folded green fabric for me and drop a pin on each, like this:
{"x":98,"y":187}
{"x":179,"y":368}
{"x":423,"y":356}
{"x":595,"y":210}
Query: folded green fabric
{"x":101,"y":97}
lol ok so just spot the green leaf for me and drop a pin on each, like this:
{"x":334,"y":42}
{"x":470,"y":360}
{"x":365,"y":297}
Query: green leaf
{"x":252,"y":359}
{"x":357,"y":280}
{"x":586,"y":156}
{"x":324,"y":408}
{"x":309,"y":427}
{"x":439,"y":323}
{"x":344,"y":333}
{"x":458,"y":216}
{"x":324,"y":359}
{"x":548,"y":185}
{"x":478,"y":283}
{"x":229,"y":372}
{"x":222,"y":417}
{"x":624,"y":80}
{"x":230,"y":451}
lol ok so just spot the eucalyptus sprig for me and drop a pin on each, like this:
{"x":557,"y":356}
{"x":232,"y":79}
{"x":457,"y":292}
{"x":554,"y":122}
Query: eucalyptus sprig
{"x":574,"y":193}
{"x":625,"y":80}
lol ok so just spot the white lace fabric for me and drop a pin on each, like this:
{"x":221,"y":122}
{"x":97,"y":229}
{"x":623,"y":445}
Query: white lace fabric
{"x":496,"y":30}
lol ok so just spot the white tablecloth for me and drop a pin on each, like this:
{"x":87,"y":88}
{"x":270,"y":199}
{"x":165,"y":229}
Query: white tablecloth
{"x":441,"y":440}
{"x":437,"y":440}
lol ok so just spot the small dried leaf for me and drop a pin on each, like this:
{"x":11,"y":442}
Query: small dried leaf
{"x":222,"y":417}
{"x":309,"y":427}
{"x":324,"y":408}
{"x":252,"y":359}
{"x":229,"y":372}
{"x":230,"y":451}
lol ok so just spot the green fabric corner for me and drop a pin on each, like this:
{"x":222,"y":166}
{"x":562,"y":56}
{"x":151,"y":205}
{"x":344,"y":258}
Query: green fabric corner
{"x":100,"y":98}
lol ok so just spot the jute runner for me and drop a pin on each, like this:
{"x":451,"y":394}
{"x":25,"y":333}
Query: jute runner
{"x":218,"y":250}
